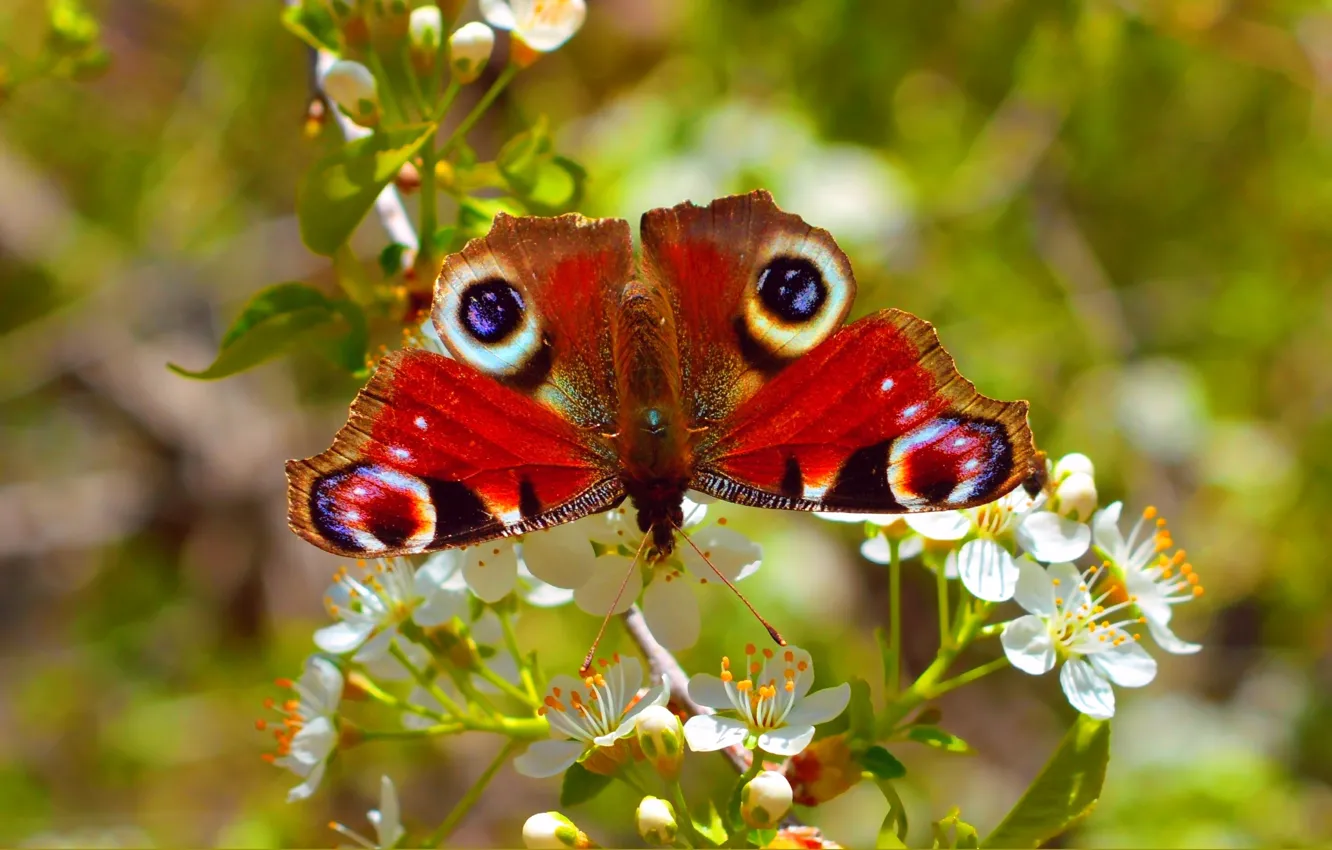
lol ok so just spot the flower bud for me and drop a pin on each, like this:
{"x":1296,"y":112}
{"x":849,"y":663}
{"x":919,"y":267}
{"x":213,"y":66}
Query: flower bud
{"x":425,"y":32}
{"x":469,"y":50}
{"x":350,"y":18}
{"x":656,"y":821}
{"x":1071,"y":463}
{"x":765,"y":799}
{"x":553,"y":830}
{"x":1075,"y":497}
{"x":823,"y":770}
{"x":661,"y":738}
{"x":352,"y":87}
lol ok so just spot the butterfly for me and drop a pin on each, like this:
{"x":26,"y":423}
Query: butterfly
{"x":719,"y":364}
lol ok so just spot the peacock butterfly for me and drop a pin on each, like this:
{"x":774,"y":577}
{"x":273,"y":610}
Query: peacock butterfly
{"x":721,"y":366}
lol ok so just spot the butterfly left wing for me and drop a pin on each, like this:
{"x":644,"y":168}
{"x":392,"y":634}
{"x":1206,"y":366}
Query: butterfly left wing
{"x":876,"y":419}
{"x":435,"y":454}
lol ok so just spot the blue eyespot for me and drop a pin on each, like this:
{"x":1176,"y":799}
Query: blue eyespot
{"x":490,"y":310}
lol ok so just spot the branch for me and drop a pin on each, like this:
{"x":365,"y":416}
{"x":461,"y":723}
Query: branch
{"x":662,"y":662}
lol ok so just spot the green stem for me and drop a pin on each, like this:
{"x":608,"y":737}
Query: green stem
{"x":945,"y":628}
{"x":392,"y":109}
{"x":968,"y":626}
{"x":429,"y":197}
{"x":506,"y":686}
{"x":468,"y":800}
{"x":965,"y":678}
{"x":452,"y":728}
{"x":413,"y":83}
{"x":894,"y":682}
{"x":352,"y":277}
{"x":462,"y":681}
{"x":380,"y":695}
{"x":695,"y":839}
{"x":450,"y":94}
{"x":511,"y":643}
{"x":482,"y":105}
{"x":426,"y":681}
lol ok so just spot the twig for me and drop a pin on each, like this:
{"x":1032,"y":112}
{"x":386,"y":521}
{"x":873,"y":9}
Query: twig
{"x":662,"y":662}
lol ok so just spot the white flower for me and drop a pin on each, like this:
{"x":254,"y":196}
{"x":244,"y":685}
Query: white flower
{"x":591,"y":716}
{"x":661,"y":739}
{"x":425,"y":28}
{"x":565,"y":556}
{"x":352,"y":87}
{"x":469,"y":50}
{"x":765,"y":799}
{"x":387,"y":820}
{"x":1156,"y":581}
{"x":309,"y":733}
{"x":551,"y":831}
{"x":371,"y":608}
{"x":773,"y":702}
{"x":655,"y":819}
{"x":984,"y":563}
{"x":541,"y":25}
{"x":1066,"y":623}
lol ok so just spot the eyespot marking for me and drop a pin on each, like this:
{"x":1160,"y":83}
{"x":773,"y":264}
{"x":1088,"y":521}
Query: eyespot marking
{"x":949,"y":461}
{"x":369,"y":508}
{"x":792,"y":288}
{"x":491,"y":310}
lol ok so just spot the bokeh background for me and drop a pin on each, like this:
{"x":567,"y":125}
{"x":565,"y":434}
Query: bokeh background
{"x":1121,"y":211}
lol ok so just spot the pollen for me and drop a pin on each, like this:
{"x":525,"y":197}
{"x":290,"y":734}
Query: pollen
{"x":767,"y":652}
{"x":802,"y":666}
{"x":1149,"y":512}
{"x":755,"y":667}
{"x":726,"y":676}
{"x":750,"y":649}
{"x":744,"y":685}
{"x":790,"y":686}
{"x":789,"y":656}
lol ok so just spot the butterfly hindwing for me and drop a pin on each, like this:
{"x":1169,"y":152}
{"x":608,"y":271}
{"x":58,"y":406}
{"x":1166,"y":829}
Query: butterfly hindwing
{"x":875,"y":419}
{"x":436,"y":454}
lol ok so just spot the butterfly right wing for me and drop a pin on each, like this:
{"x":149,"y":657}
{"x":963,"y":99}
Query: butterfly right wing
{"x":435,"y":454}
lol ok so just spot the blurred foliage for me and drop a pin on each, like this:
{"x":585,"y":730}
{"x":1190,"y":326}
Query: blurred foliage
{"x":1117,"y":210}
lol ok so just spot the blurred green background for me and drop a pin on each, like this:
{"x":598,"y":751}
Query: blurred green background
{"x":1121,"y":211}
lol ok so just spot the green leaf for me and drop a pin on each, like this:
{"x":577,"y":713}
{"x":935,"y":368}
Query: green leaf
{"x":929,"y":717}
{"x":893,"y":830}
{"x":1064,"y":792}
{"x":962,"y":837}
{"x":276,"y":320}
{"x":711,"y":826}
{"x":521,"y":156}
{"x":581,"y":785}
{"x":886,"y":652}
{"x":882,"y":764}
{"x":761,"y":837}
{"x":860,"y":712}
{"x":340,"y":189}
{"x":933,"y":736}
{"x":475,"y":215}
{"x":390,"y":259}
{"x":311,"y":23}
{"x":558,"y":186}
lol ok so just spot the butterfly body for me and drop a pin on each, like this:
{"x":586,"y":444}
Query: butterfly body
{"x":720,"y":364}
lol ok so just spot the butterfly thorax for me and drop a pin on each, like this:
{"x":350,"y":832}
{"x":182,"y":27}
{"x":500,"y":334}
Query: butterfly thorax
{"x":652,"y":435}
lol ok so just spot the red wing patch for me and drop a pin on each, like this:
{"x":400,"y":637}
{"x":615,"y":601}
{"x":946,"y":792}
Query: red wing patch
{"x":876,"y":419}
{"x":435,"y":454}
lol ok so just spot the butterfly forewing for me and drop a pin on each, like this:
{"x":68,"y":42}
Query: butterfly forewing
{"x":436,"y":454}
{"x":875,"y":419}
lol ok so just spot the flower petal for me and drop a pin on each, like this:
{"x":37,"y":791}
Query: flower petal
{"x":1069,"y":587}
{"x":491,"y":569}
{"x":545,"y":32}
{"x":1048,"y":537}
{"x":388,"y":823}
{"x":733,"y":554}
{"x":547,"y":758}
{"x":1127,"y":665}
{"x":306,"y":788}
{"x":786,"y":740}
{"x":1035,"y":592}
{"x":440,"y":606}
{"x":498,"y":14}
{"x":876,"y":550}
{"x":1105,"y":530}
{"x":562,"y":555}
{"x":440,"y":570}
{"x":819,"y":707}
{"x":1028,"y":645}
{"x":538,"y":593}
{"x":1087,"y":690}
{"x":344,"y":636}
{"x":940,"y":525}
{"x":659,"y":694}
{"x":598,"y":592}
{"x":706,"y":689}
{"x":671,"y":610}
{"x":1168,"y":641}
{"x":708,"y":732}
{"x":987,"y":570}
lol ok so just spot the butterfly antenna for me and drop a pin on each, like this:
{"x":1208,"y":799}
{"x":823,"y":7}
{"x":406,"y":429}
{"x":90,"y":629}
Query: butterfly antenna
{"x":587,"y":660}
{"x":776,"y":635}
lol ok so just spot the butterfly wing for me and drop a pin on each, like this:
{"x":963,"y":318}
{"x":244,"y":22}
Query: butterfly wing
{"x":437,"y":454}
{"x":876,"y":420}
{"x":753,"y":288}
{"x":530,"y":304}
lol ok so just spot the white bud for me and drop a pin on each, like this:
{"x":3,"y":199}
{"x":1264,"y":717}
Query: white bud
{"x":1071,"y":463}
{"x":656,"y":821}
{"x":352,"y":87}
{"x":765,"y":799}
{"x":551,"y":831}
{"x":661,"y":738}
{"x":1075,"y":496}
{"x":469,"y":50}
{"x":426,"y":29}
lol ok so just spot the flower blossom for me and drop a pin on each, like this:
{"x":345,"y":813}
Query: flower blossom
{"x":1157,"y":579}
{"x":1067,"y":623}
{"x":538,"y":26}
{"x":387,"y":820}
{"x":773,"y":702}
{"x":389,"y":592}
{"x":308,"y":734}
{"x":591,"y":716}
{"x":984,"y":562}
